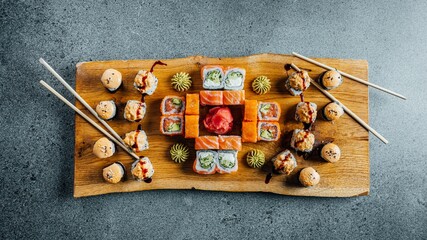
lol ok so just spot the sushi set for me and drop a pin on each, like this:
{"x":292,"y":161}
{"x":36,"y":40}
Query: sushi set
{"x":245,"y":124}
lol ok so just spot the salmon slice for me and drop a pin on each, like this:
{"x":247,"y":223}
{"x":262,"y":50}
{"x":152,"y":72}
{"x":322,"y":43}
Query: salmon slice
{"x":191,"y":126}
{"x":230,"y":142}
{"x":234,"y":97}
{"x":213,"y":98}
{"x":206,"y":142}
{"x":251,"y":110}
{"x":192,"y":104}
{"x":249,"y":132}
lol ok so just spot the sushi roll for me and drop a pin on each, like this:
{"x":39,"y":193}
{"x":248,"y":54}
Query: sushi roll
{"x":230,"y":142}
{"x":212,"y":98}
{"x":173,"y":105}
{"x":306,"y":112}
{"x":236,"y":97}
{"x":251,"y":111}
{"x":234,"y":78}
{"x":206,"y":142}
{"x":145,"y":82}
{"x":191,"y":128}
{"x":134,"y":110}
{"x":268,"y":131}
{"x":104,"y":148}
{"x":268,"y":111}
{"x":302,"y":140}
{"x":284,"y":162}
{"x":106,"y":109}
{"x":330,"y":152}
{"x":205,"y":162}
{"x":142,"y":169}
{"x":212,"y":76}
{"x":137,"y":140}
{"x":330,"y":79}
{"x":192,"y":104}
{"x":111,"y":79}
{"x":298,"y":82}
{"x":309,"y":177}
{"x":332,"y":111}
{"x":249,"y":132}
{"x":172,"y":125}
{"x":114,"y":173}
{"x":227,"y":162}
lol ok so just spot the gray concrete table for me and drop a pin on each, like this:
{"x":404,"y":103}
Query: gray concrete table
{"x":37,"y":131}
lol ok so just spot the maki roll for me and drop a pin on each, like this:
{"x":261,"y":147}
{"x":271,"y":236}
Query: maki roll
{"x":114,"y":173}
{"x":249,"y":132}
{"x":233,"y":97}
{"x":332,"y":111}
{"x":230,"y":142}
{"x":309,"y":177}
{"x":191,"y":128}
{"x":106,"y":109}
{"x":192,"y":104}
{"x":298,"y":82}
{"x":173,"y":105}
{"x":137,"y":140}
{"x":330,"y":152}
{"x":145,"y":82}
{"x":212,"y":98}
{"x":111,"y":79}
{"x":284,"y":162}
{"x":135,"y":110}
{"x":142,"y":169}
{"x":251,"y":111}
{"x":306,"y":112}
{"x":268,"y":131}
{"x":330,"y":79}
{"x":227,"y":162}
{"x":234,"y":78}
{"x":268,"y":111}
{"x":205,"y":162}
{"x":206,"y":142}
{"x":302,"y":140}
{"x":104,"y":148}
{"x":172,"y":125}
{"x":212,"y":76}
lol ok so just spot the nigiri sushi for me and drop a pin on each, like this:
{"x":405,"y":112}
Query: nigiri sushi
{"x":236,"y":97}
{"x":191,"y":126}
{"x":137,"y":140}
{"x":145,"y":82}
{"x":111,"y":79}
{"x":249,"y":132}
{"x":134,"y":110}
{"x":251,"y":111}
{"x":212,"y":77}
{"x":173,"y":105}
{"x":230,"y":142}
{"x":211,"y":98}
{"x":227,"y":162}
{"x":192,"y":104}
{"x":234,"y":78}
{"x":268,"y":131}
{"x":172,"y":125}
{"x":206,"y":142}
{"x":205,"y":162}
{"x":268,"y":111}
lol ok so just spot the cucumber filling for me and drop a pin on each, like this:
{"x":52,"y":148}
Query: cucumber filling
{"x":214,"y":76}
{"x":174,"y":127}
{"x":267,"y":134}
{"x":226,"y":162}
{"x":234,"y":79}
{"x":265,"y":108}
{"x":177,"y":102}
{"x":206,"y":162}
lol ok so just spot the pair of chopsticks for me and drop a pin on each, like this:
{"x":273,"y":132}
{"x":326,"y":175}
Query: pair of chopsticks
{"x":113,"y":136}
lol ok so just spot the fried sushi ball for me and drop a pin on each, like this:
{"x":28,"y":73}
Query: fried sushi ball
{"x":330,"y":79}
{"x":111,"y":79}
{"x":106,"y":109}
{"x":332,"y":111}
{"x":309,"y":177}
{"x":104,"y":148}
{"x":331,"y":152}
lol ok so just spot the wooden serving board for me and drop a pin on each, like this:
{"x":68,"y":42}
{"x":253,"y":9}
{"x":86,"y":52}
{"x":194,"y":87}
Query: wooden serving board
{"x":346,"y":178}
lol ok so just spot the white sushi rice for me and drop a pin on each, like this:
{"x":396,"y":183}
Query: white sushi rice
{"x":227,"y":157}
{"x":210,"y":84}
{"x":203,"y":154}
{"x":234,"y":83}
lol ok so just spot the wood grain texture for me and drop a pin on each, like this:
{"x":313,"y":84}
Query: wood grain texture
{"x":346,"y":178}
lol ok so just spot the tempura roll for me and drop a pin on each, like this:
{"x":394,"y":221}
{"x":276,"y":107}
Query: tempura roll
{"x":142,"y":169}
{"x":302,"y":140}
{"x":284,"y":162}
{"x":135,"y":110}
{"x":137,"y":140}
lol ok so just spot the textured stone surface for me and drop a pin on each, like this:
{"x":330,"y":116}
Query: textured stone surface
{"x":36,"y":135}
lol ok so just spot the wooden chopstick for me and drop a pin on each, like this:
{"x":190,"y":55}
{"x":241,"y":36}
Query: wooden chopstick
{"x":348,"y":111}
{"x":69,"y":88}
{"x":348,"y":75}
{"x":88,"y":119}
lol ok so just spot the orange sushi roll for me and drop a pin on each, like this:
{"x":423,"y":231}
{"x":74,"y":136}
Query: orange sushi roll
{"x":269,"y":111}
{"x":191,"y":126}
{"x":192,"y":104}
{"x":206,"y":142}
{"x":214,"y":98}
{"x":230,"y":142}
{"x":249,"y":132}
{"x":268,"y":131}
{"x":251,"y":110}
{"x":212,"y":76}
{"x":236,"y":97}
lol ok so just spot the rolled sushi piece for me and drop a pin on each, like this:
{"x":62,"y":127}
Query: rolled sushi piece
{"x":173,"y":105}
{"x":330,"y":79}
{"x":212,"y":98}
{"x":205,"y":162}
{"x":249,"y":132}
{"x":230,"y":142}
{"x":145,"y":82}
{"x":268,"y":131}
{"x":302,"y":140}
{"x":135,"y":110}
{"x":142,"y":169}
{"x":106,"y":109}
{"x":298,"y":82}
{"x":137,"y":140}
{"x":192,"y":104}
{"x":284,"y":162}
{"x":206,"y":142}
{"x":114,"y":173}
{"x":191,"y":128}
{"x":251,"y":110}
{"x":234,"y":78}
{"x":104,"y":148}
{"x":236,"y":97}
{"x":227,"y":162}
{"x":172,"y":125}
{"x":306,"y":112}
{"x":111,"y":79}
{"x":332,"y":111}
{"x":212,"y":76}
{"x":269,"y":111}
